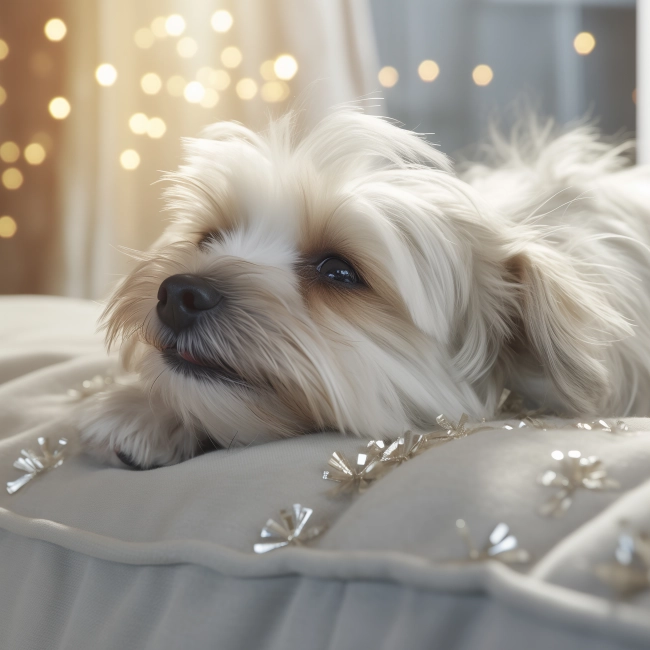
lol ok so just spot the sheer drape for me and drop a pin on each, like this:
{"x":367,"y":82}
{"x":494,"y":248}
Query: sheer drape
{"x":104,"y":205}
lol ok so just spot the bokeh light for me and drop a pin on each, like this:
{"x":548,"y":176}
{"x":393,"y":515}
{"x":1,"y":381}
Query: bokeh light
{"x":482,"y":74}
{"x":221,"y":21}
{"x":231,"y":57}
{"x":285,"y":67}
{"x":246,"y":89}
{"x":59,"y":108}
{"x":584,"y":43}
{"x":34,"y":153}
{"x":428,"y":70}
{"x":388,"y":76}
{"x":3,"y":95}
{"x":55,"y":29}
{"x":210,"y":99}
{"x":12,"y":178}
{"x":138,"y":123}
{"x":144,"y":38}
{"x":4,"y":49}
{"x":267,"y":70}
{"x":176,"y":85}
{"x":175,"y":25}
{"x":106,"y":74}
{"x":187,"y":47}
{"x":158,"y":28}
{"x":194,"y":92}
{"x":8,"y":227}
{"x":151,"y":83}
{"x":156,"y":127}
{"x":130,"y":159}
{"x":221,"y":80}
{"x":9,"y":152}
{"x":274,"y":91}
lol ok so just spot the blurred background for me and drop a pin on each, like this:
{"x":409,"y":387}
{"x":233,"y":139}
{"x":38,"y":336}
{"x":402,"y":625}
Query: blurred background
{"x":96,"y":94}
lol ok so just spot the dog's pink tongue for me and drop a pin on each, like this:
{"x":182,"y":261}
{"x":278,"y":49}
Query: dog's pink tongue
{"x":188,"y":357}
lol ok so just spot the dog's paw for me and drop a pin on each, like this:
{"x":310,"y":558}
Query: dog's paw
{"x":122,"y":427}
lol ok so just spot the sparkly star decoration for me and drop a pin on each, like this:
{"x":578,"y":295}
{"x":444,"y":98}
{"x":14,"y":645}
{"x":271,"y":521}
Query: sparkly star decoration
{"x":34,"y":464}
{"x":90,"y":386}
{"x":291,"y":531}
{"x":501,"y":545}
{"x":576,"y":472}
{"x":618,"y":427}
{"x":353,"y":477}
{"x":630,"y":573}
{"x":403,"y":449}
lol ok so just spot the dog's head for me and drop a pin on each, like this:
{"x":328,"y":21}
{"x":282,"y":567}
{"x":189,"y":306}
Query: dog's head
{"x":345,"y":279}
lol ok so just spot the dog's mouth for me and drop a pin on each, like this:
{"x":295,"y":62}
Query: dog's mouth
{"x":187,"y":364}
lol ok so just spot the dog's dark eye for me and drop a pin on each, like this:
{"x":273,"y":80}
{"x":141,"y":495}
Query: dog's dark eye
{"x":337,"y":270}
{"x":210,"y":237}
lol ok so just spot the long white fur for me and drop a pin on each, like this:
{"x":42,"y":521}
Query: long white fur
{"x":528,"y":271}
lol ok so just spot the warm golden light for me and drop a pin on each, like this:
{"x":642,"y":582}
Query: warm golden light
{"x":231,"y":57}
{"x":221,"y":21}
{"x":175,"y":25}
{"x":59,"y":108}
{"x":106,"y":74}
{"x":138,"y":123}
{"x":187,"y":47}
{"x":428,"y":70}
{"x":210,"y":99}
{"x":246,"y":89}
{"x":34,"y":153}
{"x":156,"y":127}
{"x":151,"y":83}
{"x":274,"y":91}
{"x":158,"y":27}
{"x":130,"y":159}
{"x":41,"y":63}
{"x":9,"y":152}
{"x":144,"y":38}
{"x":176,"y":86}
{"x":194,"y":92}
{"x":8,"y":227}
{"x":55,"y":29}
{"x":285,"y":67}
{"x":634,"y":95}
{"x":482,"y":75}
{"x":267,"y":70}
{"x":388,"y":76}
{"x":12,"y":178}
{"x":584,"y":43}
{"x":221,"y":80}
{"x":4,"y":49}
{"x":3,"y":95}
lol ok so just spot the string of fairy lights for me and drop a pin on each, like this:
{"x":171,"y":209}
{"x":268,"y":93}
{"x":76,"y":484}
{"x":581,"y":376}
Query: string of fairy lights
{"x":205,"y":90}
{"x":428,"y":71}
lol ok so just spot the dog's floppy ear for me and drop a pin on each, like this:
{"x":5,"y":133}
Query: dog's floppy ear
{"x":567,"y":323}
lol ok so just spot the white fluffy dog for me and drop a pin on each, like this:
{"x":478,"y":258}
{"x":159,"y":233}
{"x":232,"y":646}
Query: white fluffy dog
{"x":347,"y":279}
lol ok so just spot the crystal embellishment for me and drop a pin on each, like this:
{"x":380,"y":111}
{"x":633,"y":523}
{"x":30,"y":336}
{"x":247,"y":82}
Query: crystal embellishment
{"x":576,"y":472}
{"x":291,"y":531}
{"x":34,"y":464}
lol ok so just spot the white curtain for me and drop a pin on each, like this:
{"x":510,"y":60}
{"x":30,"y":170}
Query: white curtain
{"x":105,"y":206}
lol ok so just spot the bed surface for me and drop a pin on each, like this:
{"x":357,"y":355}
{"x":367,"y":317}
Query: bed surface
{"x":92,"y":556}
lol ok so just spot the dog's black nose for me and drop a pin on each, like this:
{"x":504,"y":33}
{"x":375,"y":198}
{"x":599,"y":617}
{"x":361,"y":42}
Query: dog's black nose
{"x":182,"y":298}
